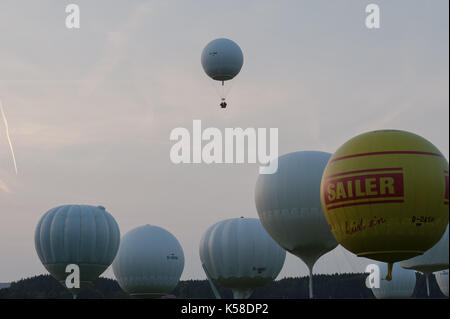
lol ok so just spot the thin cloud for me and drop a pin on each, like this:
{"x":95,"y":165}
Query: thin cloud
{"x":115,"y":45}
{"x":3,"y":187}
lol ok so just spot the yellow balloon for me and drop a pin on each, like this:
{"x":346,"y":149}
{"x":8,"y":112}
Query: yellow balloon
{"x":385,"y":195}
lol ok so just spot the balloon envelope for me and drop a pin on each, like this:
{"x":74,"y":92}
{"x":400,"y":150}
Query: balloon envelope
{"x":400,"y":287}
{"x":442,"y":280}
{"x":288,"y":205}
{"x":384,"y":195}
{"x":222,"y":59}
{"x":239,"y":254}
{"x":149,"y":263}
{"x":434,"y":259}
{"x":87,"y":236}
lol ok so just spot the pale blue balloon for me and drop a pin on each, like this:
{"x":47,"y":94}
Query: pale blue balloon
{"x":222,"y":59}
{"x":87,"y":236}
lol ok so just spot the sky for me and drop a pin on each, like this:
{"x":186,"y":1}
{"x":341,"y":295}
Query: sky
{"x":90,"y":110}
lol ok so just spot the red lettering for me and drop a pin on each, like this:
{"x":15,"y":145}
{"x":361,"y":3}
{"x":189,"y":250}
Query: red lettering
{"x":370,"y":186}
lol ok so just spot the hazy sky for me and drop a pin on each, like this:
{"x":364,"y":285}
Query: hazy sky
{"x":90,"y":110}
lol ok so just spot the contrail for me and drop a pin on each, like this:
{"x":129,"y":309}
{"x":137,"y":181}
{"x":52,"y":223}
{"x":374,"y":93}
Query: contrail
{"x":7,"y":136}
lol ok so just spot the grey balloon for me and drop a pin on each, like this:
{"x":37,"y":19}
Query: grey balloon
{"x":442,"y":281}
{"x":400,"y":287}
{"x":87,"y":236}
{"x":434,"y":259}
{"x":238,"y":254}
{"x":149,"y":263}
{"x":222,"y":59}
{"x":288,"y":204}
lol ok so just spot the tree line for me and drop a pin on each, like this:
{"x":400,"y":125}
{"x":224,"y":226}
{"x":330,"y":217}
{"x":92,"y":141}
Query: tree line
{"x":341,"y":286}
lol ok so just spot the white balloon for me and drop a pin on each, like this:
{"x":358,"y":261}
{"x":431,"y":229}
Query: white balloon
{"x":288,"y":204}
{"x":400,"y":287}
{"x":222,"y":59}
{"x":149,"y":263}
{"x":434,"y":259}
{"x":84,"y":235}
{"x":240,"y":255}
{"x":442,"y":281}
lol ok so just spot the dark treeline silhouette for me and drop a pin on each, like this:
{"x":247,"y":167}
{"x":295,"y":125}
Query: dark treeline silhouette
{"x":342,"y":286}
{"x":46,"y":287}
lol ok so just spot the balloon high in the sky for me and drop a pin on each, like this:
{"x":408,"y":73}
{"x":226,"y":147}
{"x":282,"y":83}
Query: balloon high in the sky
{"x":400,"y":287}
{"x":86,"y":236}
{"x":385,"y":195}
{"x":288,"y":204}
{"x":222,"y":60}
{"x":149,"y":263}
{"x":434,"y":259}
{"x":240,"y":255}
